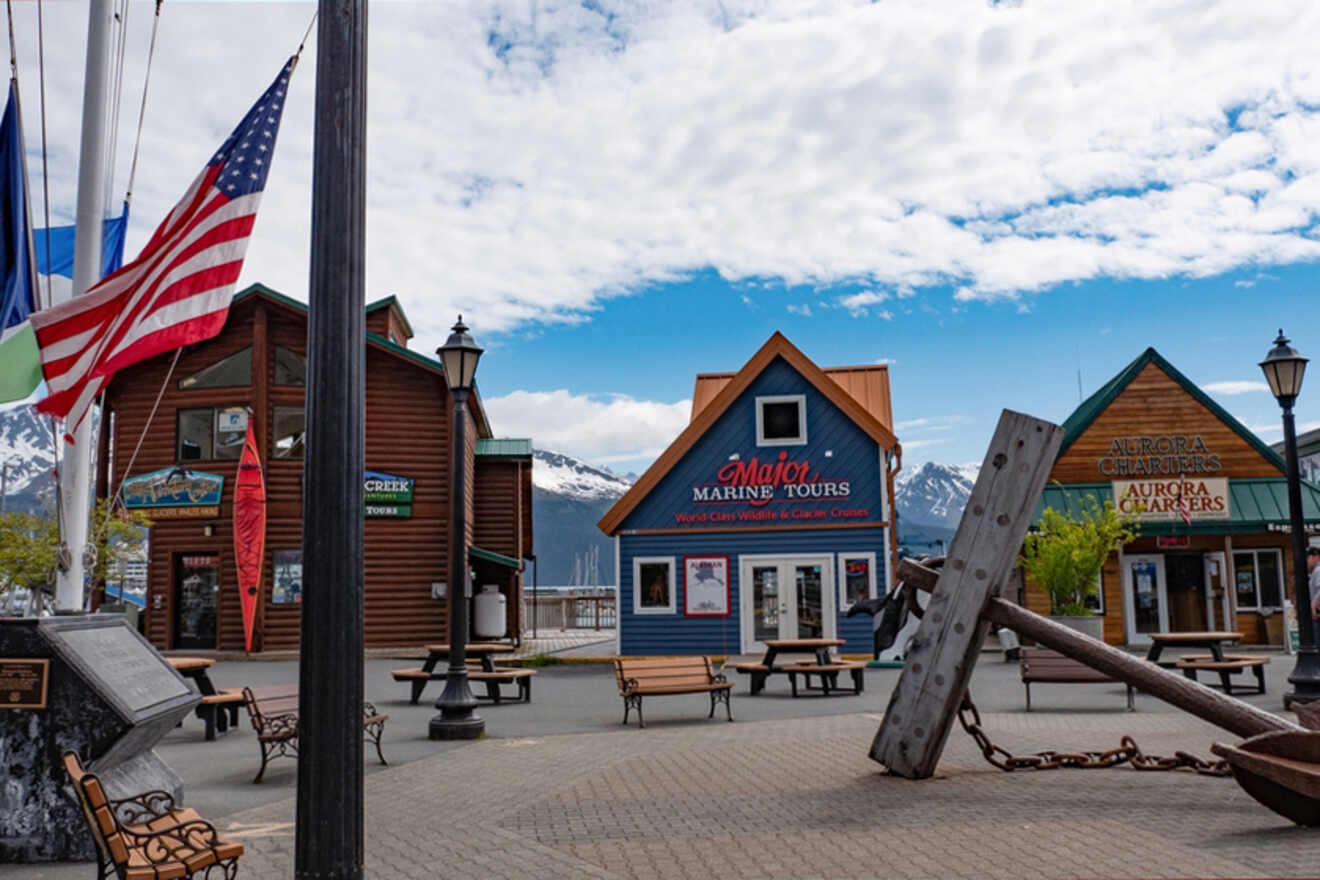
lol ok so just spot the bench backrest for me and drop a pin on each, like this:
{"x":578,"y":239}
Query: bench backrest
{"x":96,"y":808}
{"x":265,"y":702}
{"x":663,"y":671}
{"x":1043,"y":664}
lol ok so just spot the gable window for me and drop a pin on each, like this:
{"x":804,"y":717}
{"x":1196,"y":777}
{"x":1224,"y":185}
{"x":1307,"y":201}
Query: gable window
{"x":290,"y":432}
{"x":1258,"y":579}
{"x":211,"y":433}
{"x":653,"y":585}
{"x":290,"y":367}
{"x":233,"y":371}
{"x":781,"y":420}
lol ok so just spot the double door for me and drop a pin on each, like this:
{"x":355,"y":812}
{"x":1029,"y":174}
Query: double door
{"x":786,"y":597}
{"x":1146,"y":605}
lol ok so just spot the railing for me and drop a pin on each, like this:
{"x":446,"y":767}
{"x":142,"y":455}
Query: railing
{"x":558,"y":611}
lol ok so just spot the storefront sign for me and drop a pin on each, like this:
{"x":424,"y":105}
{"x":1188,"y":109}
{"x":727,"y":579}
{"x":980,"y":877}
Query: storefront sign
{"x":1205,"y":498}
{"x":173,"y":487}
{"x":23,"y":683}
{"x":1160,"y":454}
{"x":706,"y":586}
{"x":799,"y":494}
{"x":388,"y":495}
{"x":1172,"y":542}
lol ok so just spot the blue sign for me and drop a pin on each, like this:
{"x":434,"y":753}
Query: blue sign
{"x":173,"y":487}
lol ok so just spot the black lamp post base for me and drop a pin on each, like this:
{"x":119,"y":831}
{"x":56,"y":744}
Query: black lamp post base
{"x":471,"y":727}
{"x":1305,"y":678}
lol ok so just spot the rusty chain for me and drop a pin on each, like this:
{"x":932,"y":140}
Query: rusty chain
{"x":1127,"y":752}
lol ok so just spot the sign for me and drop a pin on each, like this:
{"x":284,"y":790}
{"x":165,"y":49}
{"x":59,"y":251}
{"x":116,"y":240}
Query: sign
{"x":1160,"y":454}
{"x":23,"y":683}
{"x":1170,"y":542}
{"x":174,"y":487}
{"x":387,"y":495}
{"x":126,"y":664}
{"x":706,"y":586}
{"x":1201,"y":498}
{"x":779,"y":491}
{"x":232,"y":420}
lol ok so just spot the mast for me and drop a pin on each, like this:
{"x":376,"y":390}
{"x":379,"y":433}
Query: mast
{"x":75,"y":467}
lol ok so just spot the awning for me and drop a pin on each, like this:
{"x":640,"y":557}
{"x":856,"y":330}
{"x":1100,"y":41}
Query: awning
{"x":492,"y":556}
{"x":1255,"y":506}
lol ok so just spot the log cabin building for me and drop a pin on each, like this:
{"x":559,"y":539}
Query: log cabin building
{"x":1213,"y":550}
{"x":183,"y":477}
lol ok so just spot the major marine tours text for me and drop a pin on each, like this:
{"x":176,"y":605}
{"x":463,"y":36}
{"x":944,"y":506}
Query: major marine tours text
{"x":758,"y":484}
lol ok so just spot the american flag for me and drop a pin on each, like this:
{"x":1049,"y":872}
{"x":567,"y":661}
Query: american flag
{"x":1183,"y":510}
{"x":177,"y":291}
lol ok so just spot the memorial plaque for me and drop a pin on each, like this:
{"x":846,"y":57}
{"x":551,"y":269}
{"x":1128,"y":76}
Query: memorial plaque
{"x":23,"y":683}
{"x":127,"y":664}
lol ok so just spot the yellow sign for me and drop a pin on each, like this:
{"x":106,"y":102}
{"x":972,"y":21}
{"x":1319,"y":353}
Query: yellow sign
{"x":1189,"y":498}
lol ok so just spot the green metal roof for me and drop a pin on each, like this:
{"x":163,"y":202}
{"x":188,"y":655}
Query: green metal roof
{"x":1087,"y":412}
{"x":492,"y":556}
{"x":1253,"y":505}
{"x":504,"y":447}
{"x":391,"y":300}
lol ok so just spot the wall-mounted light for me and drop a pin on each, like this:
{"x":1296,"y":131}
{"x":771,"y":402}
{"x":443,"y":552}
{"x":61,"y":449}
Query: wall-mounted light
{"x":208,"y":530}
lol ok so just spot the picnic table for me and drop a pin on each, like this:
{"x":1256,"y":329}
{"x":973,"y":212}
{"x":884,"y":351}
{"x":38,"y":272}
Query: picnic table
{"x":821,"y":663}
{"x":484,"y":653}
{"x":218,"y":708}
{"x":1212,"y":641}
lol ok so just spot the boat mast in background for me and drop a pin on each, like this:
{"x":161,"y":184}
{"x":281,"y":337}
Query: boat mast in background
{"x":75,"y":466}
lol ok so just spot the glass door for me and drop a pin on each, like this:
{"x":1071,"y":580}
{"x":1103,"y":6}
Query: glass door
{"x":786,"y":598}
{"x":764,"y":581}
{"x":1145,"y":597}
{"x":196,"y":589}
{"x":1216,"y":593}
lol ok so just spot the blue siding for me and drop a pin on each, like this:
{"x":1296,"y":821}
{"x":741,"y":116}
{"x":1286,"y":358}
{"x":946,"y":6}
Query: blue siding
{"x":676,"y":634}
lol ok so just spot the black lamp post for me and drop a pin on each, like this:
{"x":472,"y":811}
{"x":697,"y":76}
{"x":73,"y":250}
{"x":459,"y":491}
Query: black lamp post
{"x":458,"y":718}
{"x":1284,"y":368}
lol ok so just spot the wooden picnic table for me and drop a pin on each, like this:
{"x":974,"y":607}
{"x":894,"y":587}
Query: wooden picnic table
{"x":218,"y":708}
{"x":1212,"y":641}
{"x":817,"y":648}
{"x":484,"y":652}
{"x":195,"y":669}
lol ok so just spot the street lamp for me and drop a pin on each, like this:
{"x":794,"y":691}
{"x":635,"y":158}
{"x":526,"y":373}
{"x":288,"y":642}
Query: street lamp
{"x":458,"y":718}
{"x":1283,"y":368}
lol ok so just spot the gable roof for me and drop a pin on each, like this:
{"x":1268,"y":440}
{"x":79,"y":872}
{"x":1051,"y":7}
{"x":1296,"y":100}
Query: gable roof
{"x":1091,"y":408}
{"x":867,"y":384}
{"x":391,"y":301}
{"x":776,"y":346}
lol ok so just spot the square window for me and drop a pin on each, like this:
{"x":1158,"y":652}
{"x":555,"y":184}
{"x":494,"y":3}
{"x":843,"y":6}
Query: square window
{"x":653,"y":585}
{"x":857,"y":578}
{"x":781,"y":420}
{"x":289,"y":432}
{"x":194,"y":434}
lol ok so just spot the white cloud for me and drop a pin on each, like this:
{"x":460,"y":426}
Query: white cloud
{"x":804,"y":310}
{"x":857,"y":303}
{"x":1237,"y":386}
{"x":528,"y":161}
{"x":1246,"y":284}
{"x":886,"y":361}
{"x":598,"y":428}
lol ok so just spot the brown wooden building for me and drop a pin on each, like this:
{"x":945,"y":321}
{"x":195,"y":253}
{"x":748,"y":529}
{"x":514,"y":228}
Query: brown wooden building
{"x":1214,"y":548}
{"x":255,"y":369}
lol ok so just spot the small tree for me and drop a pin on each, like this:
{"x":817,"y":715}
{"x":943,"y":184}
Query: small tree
{"x":30,"y":543}
{"x":1064,"y":555}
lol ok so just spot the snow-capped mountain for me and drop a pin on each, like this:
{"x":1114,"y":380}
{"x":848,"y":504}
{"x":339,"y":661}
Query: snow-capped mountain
{"x":562,"y":474}
{"x":27,"y":458}
{"x":569,"y":498}
{"x":934,"y":494}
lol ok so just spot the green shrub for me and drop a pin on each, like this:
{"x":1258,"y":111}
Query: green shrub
{"x":1065,"y":555}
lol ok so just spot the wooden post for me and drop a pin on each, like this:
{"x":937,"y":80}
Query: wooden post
{"x":944,"y":651}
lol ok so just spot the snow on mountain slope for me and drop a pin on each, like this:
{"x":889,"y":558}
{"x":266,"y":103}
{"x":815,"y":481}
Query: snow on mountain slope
{"x":934,"y":494}
{"x":27,"y":457}
{"x":561,"y":474}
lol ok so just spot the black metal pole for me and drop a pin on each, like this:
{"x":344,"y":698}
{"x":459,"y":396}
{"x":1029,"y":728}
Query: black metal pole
{"x":458,"y":718}
{"x":1305,"y":677}
{"x":535,"y":587}
{"x":329,"y":831}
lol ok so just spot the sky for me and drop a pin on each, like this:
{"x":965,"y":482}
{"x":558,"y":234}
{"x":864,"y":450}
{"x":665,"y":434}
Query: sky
{"x":1006,"y":202}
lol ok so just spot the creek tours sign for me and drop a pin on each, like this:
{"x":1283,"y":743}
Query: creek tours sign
{"x":778,"y":491}
{"x":387,"y":495}
{"x":1194,"y":498}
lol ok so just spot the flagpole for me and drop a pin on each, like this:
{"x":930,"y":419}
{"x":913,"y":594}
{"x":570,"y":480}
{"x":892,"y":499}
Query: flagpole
{"x":75,"y":468}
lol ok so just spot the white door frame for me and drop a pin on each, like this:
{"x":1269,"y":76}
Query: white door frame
{"x":1220,"y":557}
{"x":1161,"y":596}
{"x":828,"y":598}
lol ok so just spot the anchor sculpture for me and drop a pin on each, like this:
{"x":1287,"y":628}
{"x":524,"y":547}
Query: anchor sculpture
{"x":1279,"y":762}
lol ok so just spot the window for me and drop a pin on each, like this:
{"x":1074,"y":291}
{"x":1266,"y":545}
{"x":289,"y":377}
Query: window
{"x":653,"y":585}
{"x":781,"y":420}
{"x":1097,"y":602}
{"x":1258,"y":578}
{"x":231,"y":372}
{"x":211,"y":433}
{"x":287,"y":589}
{"x":856,"y":578}
{"x":290,"y":367}
{"x":289,"y":432}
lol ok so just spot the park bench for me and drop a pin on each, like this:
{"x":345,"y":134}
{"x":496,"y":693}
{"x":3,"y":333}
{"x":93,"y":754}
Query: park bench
{"x":1232,"y":664}
{"x":1044,"y":665}
{"x":274,"y":714}
{"x":492,"y":678}
{"x":828,"y":672}
{"x":145,"y":837}
{"x":662,"y":676}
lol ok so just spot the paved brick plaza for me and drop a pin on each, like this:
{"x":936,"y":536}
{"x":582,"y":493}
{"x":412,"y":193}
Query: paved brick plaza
{"x":799,"y":798}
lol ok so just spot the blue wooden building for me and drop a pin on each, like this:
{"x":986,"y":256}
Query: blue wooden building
{"x":768,"y":517}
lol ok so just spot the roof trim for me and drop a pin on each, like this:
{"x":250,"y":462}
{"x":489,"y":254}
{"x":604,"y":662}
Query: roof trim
{"x":504,"y":447}
{"x":492,"y":556}
{"x":776,"y":346}
{"x":1091,"y":408}
{"x":391,"y":300}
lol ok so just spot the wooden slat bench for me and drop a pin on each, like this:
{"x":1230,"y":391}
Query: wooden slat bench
{"x":1232,"y":664}
{"x":522,"y":678}
{"x":219,"y":711}
{"x":662,"y":676}
{"x":274,"y":714}
{"x":1044,"y":665}
{"x":145,"y":837}
{"x":829,"y":675}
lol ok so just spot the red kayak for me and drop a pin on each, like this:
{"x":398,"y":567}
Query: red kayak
{"x":249,"y":531}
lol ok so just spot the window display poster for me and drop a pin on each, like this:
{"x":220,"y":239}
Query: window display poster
{"x":706,"y":586}
{"x":287,"y":586}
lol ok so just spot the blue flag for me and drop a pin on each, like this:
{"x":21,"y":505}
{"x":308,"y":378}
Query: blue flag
{"x":20,"y":367}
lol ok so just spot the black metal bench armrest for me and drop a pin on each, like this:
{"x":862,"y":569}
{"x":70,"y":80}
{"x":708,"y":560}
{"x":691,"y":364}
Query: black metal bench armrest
{"x":142,"y":808}
{"x":630,"y":685}
{"x":280,"y":725}
{"x":369,"y":709}
{"x":718,"y":678}
{"x":174,"y":843}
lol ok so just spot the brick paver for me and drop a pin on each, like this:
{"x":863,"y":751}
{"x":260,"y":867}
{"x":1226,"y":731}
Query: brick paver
{"x":799,"y":798}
